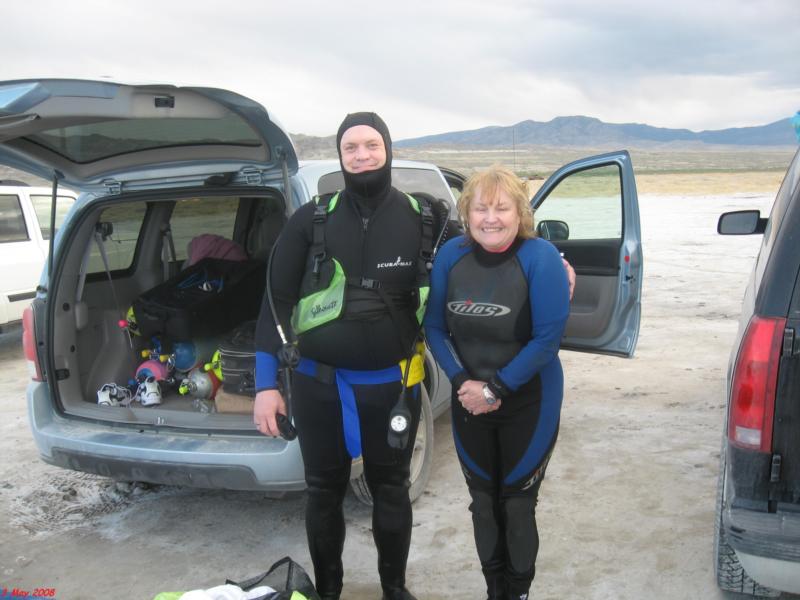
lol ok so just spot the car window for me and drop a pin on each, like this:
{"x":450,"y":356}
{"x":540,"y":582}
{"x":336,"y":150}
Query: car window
{"x":404,"y":179}
{"x":41,"y":206}
{"x":782,"y":199}
{"x":194,"y":216}
{"x":120,"y":247}
{"x":779,"y":207}
{"x":589,"y":202}
{"x":12,"y":222}
{"x":95,"y":141}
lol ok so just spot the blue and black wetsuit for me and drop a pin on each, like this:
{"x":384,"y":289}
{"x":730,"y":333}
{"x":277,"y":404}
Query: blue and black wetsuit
{"x":499,"y":318}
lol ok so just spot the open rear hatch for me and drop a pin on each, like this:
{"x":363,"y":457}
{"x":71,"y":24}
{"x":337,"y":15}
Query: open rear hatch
{"x":158,"y":165}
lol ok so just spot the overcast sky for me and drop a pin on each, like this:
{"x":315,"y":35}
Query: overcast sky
{"x":431,"y":67}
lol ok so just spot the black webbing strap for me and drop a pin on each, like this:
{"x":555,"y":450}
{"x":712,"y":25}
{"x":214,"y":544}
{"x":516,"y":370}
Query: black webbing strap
{"x":318,"y":250}
{"x":425,"y":262}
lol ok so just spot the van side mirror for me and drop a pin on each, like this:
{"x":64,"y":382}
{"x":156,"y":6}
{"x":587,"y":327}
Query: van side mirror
{"x":741,"y":222}
{"x":553,"y":231}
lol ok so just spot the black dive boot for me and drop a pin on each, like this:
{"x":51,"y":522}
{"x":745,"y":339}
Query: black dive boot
{"x":391,"y":529}
{"x":496,"y":588}
{"x":325,"y":529}
{"x":397,"y":594}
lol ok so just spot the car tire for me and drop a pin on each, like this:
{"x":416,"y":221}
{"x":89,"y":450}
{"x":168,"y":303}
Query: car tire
{"x":421,"y":459}
{"x":731,"y":576}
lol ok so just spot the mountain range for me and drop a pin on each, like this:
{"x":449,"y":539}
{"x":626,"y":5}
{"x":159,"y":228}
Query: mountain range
{"x":591,"y":132}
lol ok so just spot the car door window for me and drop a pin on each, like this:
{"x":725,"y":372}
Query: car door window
{"x":589,"y":202}
{"x":41,"y":206}
{"x":120,"y":247}
{"x":12,"y":221}
{"x":589,"y":210}
{"x":194,"y":216}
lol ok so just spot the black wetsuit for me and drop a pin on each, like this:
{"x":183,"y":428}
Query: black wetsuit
{"x":374,"y":233}
{"x":499,"y":317}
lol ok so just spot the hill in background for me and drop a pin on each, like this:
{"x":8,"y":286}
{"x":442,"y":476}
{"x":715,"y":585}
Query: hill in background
{"x":535,"y":149}
{"x":591,"y":132}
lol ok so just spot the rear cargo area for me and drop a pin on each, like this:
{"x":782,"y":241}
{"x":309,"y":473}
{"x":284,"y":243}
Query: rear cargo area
{"x":150,"y":288}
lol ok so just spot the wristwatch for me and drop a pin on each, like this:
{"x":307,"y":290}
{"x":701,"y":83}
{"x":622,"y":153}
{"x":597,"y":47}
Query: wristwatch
{"x":488,"y":395}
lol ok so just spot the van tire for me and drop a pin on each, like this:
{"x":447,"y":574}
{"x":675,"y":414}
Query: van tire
{"x":421,"y":459}
{"x":731,"y":576}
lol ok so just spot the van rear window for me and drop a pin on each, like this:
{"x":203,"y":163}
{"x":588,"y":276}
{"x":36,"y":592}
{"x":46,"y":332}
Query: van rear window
{"x":96,"y":141}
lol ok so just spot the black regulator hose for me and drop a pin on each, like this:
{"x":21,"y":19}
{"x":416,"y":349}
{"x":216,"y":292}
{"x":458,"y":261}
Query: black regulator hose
{"x":400,"y":416}
{"x":288,"y":359}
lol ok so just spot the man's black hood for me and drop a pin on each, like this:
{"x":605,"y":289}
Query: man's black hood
{"x":369,"y":185}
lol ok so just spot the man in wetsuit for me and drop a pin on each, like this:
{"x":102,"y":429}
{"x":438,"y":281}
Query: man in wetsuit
{"x":356,"y":309}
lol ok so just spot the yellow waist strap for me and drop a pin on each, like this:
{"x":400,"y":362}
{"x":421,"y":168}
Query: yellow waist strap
{"x":416,"y":372}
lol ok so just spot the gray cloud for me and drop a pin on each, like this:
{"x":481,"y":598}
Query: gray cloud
{"x":429,"y":67}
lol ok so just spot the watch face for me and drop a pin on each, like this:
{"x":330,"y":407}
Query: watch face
{"x":487,"y":394}
{"x":399,"y":423}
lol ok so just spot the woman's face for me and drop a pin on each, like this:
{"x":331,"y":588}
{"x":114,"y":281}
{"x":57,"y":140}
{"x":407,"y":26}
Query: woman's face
{"x":493,"y":221}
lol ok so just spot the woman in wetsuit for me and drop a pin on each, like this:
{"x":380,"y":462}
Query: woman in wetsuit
{"x":497,"y":310}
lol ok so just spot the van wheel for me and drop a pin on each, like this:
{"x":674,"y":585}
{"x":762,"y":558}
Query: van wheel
{"x":421,"y":459}
{"x":731,"y":576}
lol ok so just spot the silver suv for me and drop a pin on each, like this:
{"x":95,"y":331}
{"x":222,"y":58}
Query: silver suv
{"x":158,"y":165}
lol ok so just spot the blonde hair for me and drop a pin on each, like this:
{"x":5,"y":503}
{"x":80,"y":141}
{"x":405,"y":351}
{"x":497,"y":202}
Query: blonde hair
{"x":490,"y":183}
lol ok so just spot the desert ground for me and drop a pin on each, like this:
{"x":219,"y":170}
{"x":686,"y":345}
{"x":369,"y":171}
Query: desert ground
{"x":626,"y":510}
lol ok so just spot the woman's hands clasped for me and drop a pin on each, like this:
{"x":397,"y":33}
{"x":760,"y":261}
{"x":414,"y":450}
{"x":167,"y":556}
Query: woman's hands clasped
{"x":471,"y":397}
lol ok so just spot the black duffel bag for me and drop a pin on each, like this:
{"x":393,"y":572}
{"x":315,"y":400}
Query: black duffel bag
{"x":206,"y":299}
{"x":286,"y":577}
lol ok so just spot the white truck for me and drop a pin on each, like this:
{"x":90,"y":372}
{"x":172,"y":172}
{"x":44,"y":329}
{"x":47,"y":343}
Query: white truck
{"x":24,"y":239}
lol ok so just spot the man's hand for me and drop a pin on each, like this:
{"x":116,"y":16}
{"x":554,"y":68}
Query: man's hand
{"x":570,"y":276}
{"x":267,"y":405}
{"x":470,"y":394}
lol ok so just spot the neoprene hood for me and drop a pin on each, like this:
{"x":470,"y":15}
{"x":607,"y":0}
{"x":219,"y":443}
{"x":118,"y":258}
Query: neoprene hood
{"x":369,"y":184}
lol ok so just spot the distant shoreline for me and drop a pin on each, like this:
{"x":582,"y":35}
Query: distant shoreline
{"x":693,"y":174}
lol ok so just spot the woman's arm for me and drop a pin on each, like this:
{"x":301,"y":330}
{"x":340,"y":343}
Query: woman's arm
{"x":436,"y":330}
{"x":548,"y":290}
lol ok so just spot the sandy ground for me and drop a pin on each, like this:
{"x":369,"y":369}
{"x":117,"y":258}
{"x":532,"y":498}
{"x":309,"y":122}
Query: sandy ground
{"x":626,"y":510}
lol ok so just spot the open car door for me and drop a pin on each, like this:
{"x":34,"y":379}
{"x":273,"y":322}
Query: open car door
{"x":589,"y":209}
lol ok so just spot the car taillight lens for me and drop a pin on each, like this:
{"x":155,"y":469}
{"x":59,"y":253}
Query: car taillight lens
{"x":754,"y":381}
{"x":29,"y":345}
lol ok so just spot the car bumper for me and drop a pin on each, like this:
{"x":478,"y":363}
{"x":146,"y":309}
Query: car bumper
{"x":226,"y":461}
{"x":767,"y":545}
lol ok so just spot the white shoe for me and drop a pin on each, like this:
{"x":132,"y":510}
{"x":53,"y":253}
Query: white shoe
{"x":112,"y":394}
{"x":149,"y":392}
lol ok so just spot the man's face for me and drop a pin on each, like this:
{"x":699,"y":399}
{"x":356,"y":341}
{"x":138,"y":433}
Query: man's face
{"x":362,"y":149}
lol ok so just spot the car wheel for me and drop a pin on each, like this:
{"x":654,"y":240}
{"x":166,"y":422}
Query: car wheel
{"x":731,"y":576}
{"x":421,"y":459}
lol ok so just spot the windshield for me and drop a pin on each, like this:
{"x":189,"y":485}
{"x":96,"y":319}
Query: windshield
{"x":405,"y":179}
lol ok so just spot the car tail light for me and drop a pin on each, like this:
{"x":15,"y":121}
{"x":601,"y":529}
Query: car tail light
{"x":29,"y":345}
{"x":755,"y":378}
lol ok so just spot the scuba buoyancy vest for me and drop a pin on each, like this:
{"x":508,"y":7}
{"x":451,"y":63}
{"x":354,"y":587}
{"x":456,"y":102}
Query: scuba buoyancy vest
{"x":328,"y":288}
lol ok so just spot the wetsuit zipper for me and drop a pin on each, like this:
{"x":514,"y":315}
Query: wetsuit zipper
{"x":364,"y":224}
